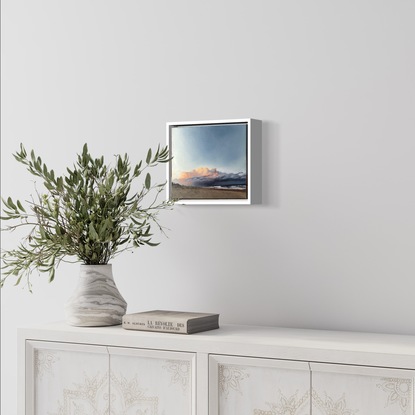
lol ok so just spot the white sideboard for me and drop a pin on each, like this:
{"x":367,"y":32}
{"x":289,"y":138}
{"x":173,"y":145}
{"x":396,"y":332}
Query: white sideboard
{"x":236,"y":370}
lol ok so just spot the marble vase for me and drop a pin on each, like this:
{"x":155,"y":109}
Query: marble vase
{"x":96,"y":300}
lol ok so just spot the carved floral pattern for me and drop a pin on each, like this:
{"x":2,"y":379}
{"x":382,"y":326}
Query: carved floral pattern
{"x":44,"y":361}
{"x":331,"y":406}
{"x":94,"y":397}
{"x":180,"y":370}
{"x":294,"y":405}
{"x":230,"y":378}
{"x":88,"y":398}
{"x":399,"y":392}
{"x":286,"y":406}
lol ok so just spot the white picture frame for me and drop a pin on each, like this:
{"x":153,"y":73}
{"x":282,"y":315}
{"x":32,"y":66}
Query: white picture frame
{"x":212,"y":162}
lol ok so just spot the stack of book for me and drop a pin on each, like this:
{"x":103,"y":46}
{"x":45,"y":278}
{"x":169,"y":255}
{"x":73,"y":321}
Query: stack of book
{"x":171,"y":321}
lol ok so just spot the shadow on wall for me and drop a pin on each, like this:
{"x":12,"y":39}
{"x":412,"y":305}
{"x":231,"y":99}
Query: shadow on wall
{"x":271,"y":164}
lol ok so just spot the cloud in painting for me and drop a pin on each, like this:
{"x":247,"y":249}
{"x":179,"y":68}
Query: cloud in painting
{"x":205,"y":177}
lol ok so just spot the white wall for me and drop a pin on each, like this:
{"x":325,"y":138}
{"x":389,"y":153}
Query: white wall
{"x":332,"y":246}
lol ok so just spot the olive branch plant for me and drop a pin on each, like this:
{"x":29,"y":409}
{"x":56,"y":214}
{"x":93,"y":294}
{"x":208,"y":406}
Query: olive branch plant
{"x":90,"y":215}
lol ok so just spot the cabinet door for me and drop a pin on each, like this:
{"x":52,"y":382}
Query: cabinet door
{"x":253,"y":386}
{"x":349,"y":390}
{"x":66,"y":379}
{"x":150,"y":382}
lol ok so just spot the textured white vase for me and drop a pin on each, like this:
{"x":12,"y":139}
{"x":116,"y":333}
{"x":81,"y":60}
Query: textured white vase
{"x":96,"y":300}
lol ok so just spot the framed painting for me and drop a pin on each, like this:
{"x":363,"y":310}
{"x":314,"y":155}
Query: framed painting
{"x":211,"y":161}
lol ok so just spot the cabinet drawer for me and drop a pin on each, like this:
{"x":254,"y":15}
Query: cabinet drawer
{"x":256,"y":386}
{"x":66,"y":378}
{"x":69,"y":379}
{"x":361,"y":390}
{"x":152,"y":382}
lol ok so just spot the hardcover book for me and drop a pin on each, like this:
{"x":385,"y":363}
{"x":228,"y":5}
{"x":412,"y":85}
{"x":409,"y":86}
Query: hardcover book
{"x":171,"y":321}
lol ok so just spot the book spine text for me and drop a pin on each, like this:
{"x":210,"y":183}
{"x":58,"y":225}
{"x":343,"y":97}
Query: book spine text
{"x":154,"y":325}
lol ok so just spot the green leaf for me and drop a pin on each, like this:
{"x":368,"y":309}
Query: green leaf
{"x":137,"y":171}
{"x":104,"y":226}
{"x":51,"y":274}
{"x":59,"y":184}
{"x":18,"y":280}
{"x":111,"y":181}
{"x":147,"y":242}
{"x":48,"y":185}
{"x":156,"y":156}
{"x":10,"y":203}
{"x":19,"y":205}
{"x":42,"y":232}
{"x":136,"y":222}
{"x":148,"y":181}
{"x":92,"y":232}
{"x":148,"y":158}
{"x":22,"y":150}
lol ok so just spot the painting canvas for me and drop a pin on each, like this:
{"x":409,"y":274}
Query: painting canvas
{"x":209,"y":162}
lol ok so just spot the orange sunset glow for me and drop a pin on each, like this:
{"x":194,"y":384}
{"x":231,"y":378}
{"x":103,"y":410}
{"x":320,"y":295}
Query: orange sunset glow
{"x":199,"y":172}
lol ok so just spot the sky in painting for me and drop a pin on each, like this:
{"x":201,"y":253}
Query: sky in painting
{"x":209,"y":155}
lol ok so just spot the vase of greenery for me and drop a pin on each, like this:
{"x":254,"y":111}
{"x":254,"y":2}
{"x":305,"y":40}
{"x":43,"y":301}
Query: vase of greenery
{"x":89,"y":215}
{"x":96,"y":300}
